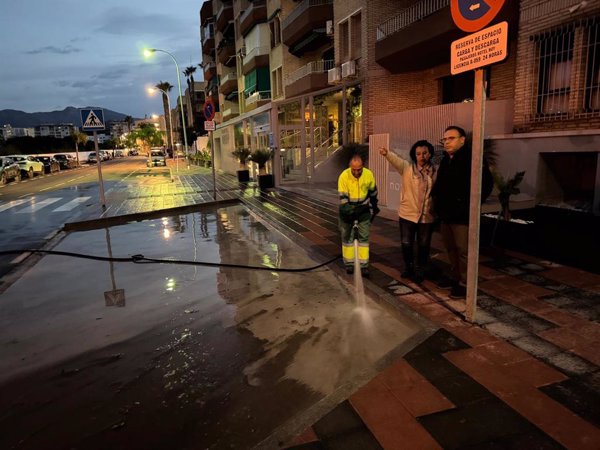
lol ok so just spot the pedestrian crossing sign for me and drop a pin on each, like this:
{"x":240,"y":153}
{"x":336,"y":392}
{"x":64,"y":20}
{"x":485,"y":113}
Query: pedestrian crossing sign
{"x":92,"y":119}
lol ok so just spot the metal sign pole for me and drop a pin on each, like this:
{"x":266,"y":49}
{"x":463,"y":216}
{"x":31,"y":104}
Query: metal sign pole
{"x":212,"y":157}
{"x":475,"y":203}
{"x":98,"y":158}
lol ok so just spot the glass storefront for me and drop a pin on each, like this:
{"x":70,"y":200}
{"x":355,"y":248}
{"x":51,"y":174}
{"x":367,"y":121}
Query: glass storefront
{"x":309,"y":137}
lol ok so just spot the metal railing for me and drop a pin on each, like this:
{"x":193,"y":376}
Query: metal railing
{"x":410,"y":15}
{"x":301,"y":8}
{"x":564,"y":79}
{"x":311,"y":67}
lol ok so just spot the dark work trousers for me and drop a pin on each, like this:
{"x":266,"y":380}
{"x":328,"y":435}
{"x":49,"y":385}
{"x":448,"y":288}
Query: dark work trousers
{"x":456,"y":240}
{"x":422,"y":232}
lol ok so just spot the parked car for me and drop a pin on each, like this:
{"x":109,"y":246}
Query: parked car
{"x":133,"y":152}
{"x":119,"y":153}
{"x":51,"y":165}
{"x":105,"y":155}
{"x":28,"y":164}
{"x":157,"y":158}
{"x":9,"y":170}
{"x":65,"y":161}
{"x":92,"y":158}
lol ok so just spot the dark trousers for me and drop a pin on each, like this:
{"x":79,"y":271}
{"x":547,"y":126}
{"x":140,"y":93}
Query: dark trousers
{"x":456,"y":240}
{"x":421,"y":233}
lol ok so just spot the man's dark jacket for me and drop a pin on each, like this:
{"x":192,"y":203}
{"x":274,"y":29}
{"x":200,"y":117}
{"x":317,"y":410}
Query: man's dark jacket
{"x":453,"y":186}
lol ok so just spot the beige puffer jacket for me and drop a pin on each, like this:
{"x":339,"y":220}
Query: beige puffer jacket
{"x":416,"y":203}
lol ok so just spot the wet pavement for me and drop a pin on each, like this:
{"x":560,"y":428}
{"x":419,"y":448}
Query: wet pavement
{"x":525,"y":375}
{"x":222,"y":355}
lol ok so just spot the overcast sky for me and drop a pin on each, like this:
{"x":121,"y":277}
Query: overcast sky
{"x":55,"y":54}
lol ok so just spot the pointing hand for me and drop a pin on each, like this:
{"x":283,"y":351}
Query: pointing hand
{"x":383,"y":151}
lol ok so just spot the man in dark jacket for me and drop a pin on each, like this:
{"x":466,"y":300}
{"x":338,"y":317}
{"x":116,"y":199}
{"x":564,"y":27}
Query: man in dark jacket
{"x":452,"y":192}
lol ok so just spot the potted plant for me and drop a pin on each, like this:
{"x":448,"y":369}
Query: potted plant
{"x":242,"y":154}
{"x":507,"y":187}
{"x":261,"y":156}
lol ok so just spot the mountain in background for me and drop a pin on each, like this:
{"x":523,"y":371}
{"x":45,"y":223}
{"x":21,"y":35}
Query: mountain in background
{"x":21,"y":119}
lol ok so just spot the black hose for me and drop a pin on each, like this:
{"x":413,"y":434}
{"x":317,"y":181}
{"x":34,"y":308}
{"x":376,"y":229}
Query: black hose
{"x":141,"y":259}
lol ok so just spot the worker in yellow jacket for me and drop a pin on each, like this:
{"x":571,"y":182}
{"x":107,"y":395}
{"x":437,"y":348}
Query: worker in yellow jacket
{"x":358,"y":195}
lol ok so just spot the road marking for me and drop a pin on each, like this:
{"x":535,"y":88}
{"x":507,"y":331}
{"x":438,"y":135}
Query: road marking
{"x":72,"y":204}
{"x":35,"y":206}
{"x":11,"y":204}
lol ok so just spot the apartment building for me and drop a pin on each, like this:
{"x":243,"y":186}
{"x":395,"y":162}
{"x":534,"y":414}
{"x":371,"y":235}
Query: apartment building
{"x":9,"y":132}
{"x":357,"y":70}
{"x":58,"y":131}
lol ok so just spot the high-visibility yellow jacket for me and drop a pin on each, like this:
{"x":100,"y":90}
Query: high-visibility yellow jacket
{"x":357,"y":191}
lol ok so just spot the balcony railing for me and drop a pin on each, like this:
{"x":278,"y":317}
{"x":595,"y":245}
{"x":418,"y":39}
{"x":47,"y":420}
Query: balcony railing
{"x":228,"y":77}
{"x":257,"y":51}
{"x":253,"y":6}
{"x":311,"y":67}
{"x":410,"y":15}
{"x":301,"y":8}
{"x":258,"y":96}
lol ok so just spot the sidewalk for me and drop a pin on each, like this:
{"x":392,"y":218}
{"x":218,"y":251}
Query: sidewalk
{"x":524,"y":376}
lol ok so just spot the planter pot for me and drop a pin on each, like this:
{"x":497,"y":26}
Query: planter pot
{"x":266,"y":181}
{"x":243,"y":176}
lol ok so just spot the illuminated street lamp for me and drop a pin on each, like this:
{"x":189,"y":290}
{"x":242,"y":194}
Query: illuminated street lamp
{"x":147,"y":53}
{"x":152,"y":90}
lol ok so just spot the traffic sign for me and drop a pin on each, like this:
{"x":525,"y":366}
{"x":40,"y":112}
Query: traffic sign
{"x":92,"y":119}
{"x":209,"y":109}
{"x":479,"y":49}
{"x":473,"y":15}
{"x":209,"y":125}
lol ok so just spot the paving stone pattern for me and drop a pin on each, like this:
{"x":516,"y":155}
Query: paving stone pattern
{"x":525,"y":375}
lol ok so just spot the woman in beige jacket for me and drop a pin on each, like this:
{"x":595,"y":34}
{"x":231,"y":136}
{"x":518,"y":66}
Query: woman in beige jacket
{"x":416,"y":213}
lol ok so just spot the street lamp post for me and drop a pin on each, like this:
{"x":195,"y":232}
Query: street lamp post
{"x":152,"y":90}
{"x":148,"y":52}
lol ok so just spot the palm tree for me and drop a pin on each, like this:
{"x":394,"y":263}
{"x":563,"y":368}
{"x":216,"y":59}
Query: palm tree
{"x":189,"y":73}
{"x":79,"y":138}
{"x":166,"y":87}
{"x":129,"y":121}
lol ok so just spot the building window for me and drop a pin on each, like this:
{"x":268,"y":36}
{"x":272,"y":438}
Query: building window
{"x":355,"y":36}
{"x":344,"y":41}
{"x":350,"y":37}
{"x":275,"y":27}
{"x":592,"y":76}
{"x":277,"y":82}
{"x":554,"y":77}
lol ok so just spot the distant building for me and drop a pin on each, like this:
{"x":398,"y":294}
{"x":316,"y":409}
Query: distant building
{"x":58,"y":131}
{"x":10,"y":132}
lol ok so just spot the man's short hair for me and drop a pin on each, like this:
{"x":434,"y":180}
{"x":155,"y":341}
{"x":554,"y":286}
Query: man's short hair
{"x":461,"y":131}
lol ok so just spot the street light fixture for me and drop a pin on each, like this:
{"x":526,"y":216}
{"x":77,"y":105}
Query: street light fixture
{"x":148,"y":52}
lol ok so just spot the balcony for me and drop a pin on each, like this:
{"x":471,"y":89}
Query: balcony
{"x":257,"y":57}
{"x":210,"y":69}
{"x":229,"y":83}
{"x":419,"y":37}
{"x":226,"y":52}
{"x":257,"y":99}
{"x":304,"y":29}
{"x":208,"y":38}
{"x":309,"y":78}
{"x":206,"y":12}
{"x":231,"y":112}
{"x":256,"y":13}
{"x":224,"y":14}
